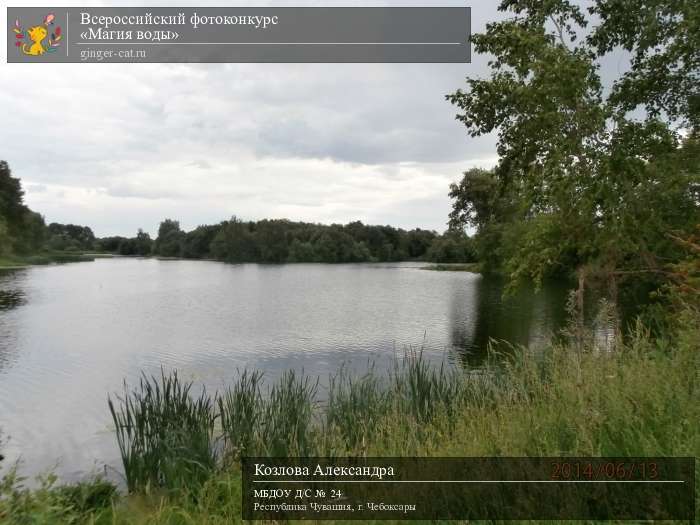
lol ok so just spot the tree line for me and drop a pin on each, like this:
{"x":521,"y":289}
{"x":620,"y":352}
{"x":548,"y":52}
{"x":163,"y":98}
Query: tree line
{"x":285,"y":241}
{"x":24,"y":232}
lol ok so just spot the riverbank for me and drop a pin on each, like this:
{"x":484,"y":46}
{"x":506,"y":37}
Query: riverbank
{"x":642,"y":399}
{"x":17,"y":262}
{"x":456,"y":267}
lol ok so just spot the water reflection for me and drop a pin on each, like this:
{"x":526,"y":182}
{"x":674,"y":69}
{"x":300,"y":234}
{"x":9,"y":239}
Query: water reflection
{"x":11,"y":293}
{"x":10,"y":299}
{"x":527,"y":317}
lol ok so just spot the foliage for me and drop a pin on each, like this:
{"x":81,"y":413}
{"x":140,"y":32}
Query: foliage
{"x":266,"y":241}
{"x":140,"y":245}
{"x":170,"y":240}
{"x":53,"y":503}
{"x":283,"y":241}
{"x":70,"y":237}
{"x":580,"y":187}
{"x":5,"y":239}
{"x":197,"y":242}
{"x":663,"y":37}
{"x":109,"y":244}
{"x":22,"y":231}
{"x":12,"y":207}
{"x":30,"y":233}
{"x":452,"y":248}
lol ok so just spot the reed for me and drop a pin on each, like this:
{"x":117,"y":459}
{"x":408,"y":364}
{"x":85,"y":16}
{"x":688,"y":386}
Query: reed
{"x":240,"y":411}
{"x":422,"y":389}
{"x":355,"y":407}
{"x":165,"y":435}
{"x":287,"y":417}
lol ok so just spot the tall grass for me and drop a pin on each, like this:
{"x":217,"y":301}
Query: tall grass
{"x":423,"y":390}
{"x":642,"y":399}
{"x":168,"y":438}
{"x":165,"y":435}
{"x":354,"y":409}
{"x":287,"y":425}
{"x":239,"y":408}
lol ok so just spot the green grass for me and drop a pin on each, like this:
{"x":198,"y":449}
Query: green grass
{"x":239,"y":409}
{"x":642,"y":399}
{"x":17,"y":261}
{"x":165,"y":435}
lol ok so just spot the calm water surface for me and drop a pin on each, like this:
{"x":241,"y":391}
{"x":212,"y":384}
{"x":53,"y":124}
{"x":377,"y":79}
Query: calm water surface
{"x":71,"y":334}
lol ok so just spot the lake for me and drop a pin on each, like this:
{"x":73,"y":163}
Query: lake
{"x":70,"y":334}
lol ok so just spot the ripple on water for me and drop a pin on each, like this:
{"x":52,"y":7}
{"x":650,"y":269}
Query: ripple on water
{"x":71,"y":334}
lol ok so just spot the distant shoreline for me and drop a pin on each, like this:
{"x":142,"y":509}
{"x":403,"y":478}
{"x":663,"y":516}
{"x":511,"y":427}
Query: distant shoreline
{"x":44,"y":259}
{"x":454,"y":267}
{"x":19,"y":263}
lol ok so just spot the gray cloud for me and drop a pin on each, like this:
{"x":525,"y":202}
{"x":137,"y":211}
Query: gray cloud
{"x":122,"y":146}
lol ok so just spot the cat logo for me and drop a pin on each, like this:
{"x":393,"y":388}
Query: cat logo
{"x":34,"y":42}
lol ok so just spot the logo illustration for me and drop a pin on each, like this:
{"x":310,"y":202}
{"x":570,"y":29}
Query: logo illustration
{"x":31,"y":41}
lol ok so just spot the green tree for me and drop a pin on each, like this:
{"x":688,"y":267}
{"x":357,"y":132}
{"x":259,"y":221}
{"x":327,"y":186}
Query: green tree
{"x":70,"y":237}
{"x":235,"y":242}
{"x":109,"y":244}
{"x":271,"y":240}
{"x":11,"y":196}
{"x":170,"y":240}
{"x":31,"y":233}
{"x":418,"y":242}
{"x":5,"y":239}
{"x":663,"y":37}
{"x":140,"y":245}
{"x":143,"y":245}
{"x":452,"y":248}
{"x":578,"y":186}
{"x":198,"y":241}
{"x":300,"y":251}
{"x":23,"y":230}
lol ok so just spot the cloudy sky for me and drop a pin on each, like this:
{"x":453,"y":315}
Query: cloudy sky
{"x":122,"y":146}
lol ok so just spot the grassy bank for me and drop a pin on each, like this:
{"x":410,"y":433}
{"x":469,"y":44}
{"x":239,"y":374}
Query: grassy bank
{"x":17,"y":261}
{"x":180,"y":450}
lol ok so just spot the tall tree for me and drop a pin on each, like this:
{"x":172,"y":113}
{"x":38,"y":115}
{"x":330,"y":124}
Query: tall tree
{"x":170,"y":240}
{"x":11,"y":195}
{"x":21,"y":230}
{"x":582,"y":186}
{"x":663,"y":37}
